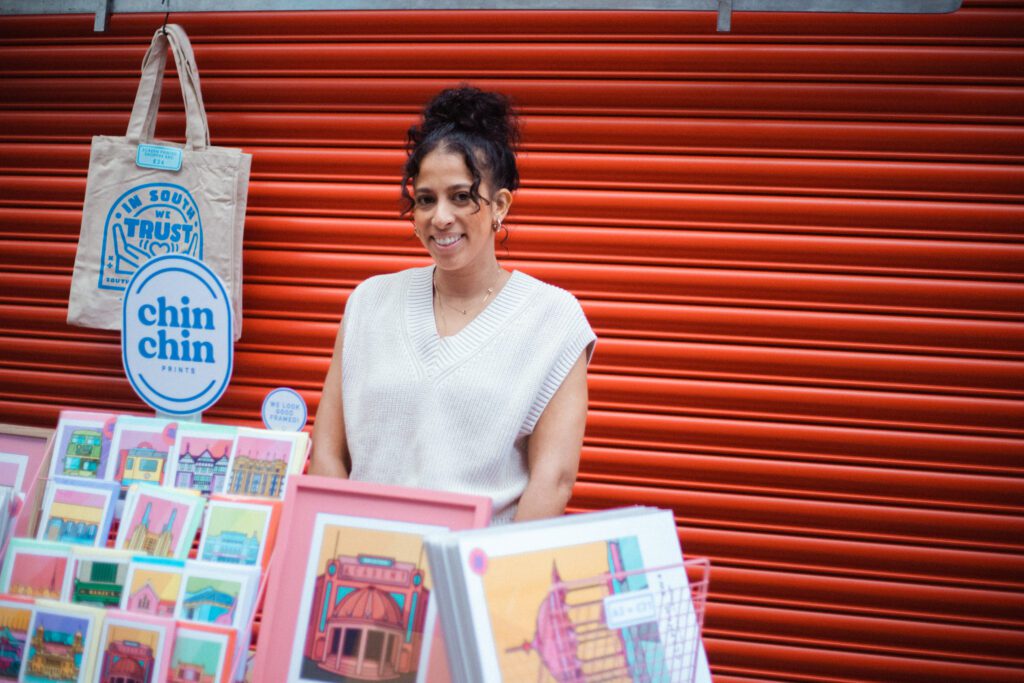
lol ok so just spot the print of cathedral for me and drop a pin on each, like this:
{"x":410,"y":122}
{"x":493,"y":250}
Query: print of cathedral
{"x":367,"y":619}
{"x":204,"y":472}
{"x":158,"y":544}
{"x":55,"y":654}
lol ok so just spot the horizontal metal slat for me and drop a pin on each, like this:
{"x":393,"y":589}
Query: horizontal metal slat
{"x":809,"y":405}
{"x":892,"y":485}
{"x":919,"y":601}
{"x":999,"y":23}
{"x":775,"y":514}
{"x":626,"y":283}
{"x":884,"y":102}
{"x":871,"y":635}
{"x":631,"y":245}
{"x":972,"y":182}
{"x":759,"y":327}
{"x":751,"y":658}
{"x":839,"y":445}
{"x":502,"y":58}
{"x":604,"y":134}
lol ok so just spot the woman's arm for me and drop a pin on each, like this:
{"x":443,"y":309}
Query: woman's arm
{"x":553,"y":452}
{"x":330,"y":450}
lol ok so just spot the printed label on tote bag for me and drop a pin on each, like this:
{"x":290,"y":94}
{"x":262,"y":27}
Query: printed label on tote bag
{"x":160,"y":157}
{"x":148,"y":220}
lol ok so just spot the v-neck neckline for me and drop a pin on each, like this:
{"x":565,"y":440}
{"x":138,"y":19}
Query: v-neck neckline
{"x":436,"y":352}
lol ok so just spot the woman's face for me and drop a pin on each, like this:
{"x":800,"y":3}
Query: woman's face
{"x":457,"y":233}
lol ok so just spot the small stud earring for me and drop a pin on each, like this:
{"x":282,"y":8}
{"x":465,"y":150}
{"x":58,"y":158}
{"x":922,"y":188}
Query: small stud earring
{"x":496,"y":226}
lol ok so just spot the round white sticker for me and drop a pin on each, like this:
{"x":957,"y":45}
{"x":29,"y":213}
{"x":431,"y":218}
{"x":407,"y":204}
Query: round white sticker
{"x":284,"y":410}
{"x":176,"y":342}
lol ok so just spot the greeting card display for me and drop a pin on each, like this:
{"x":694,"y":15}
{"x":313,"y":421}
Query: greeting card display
{"x":98,"y":576}
{"x":509,"y":616}
{"x":159,"y":522}
{"x":62,"y":643}
{"x":77,"y":511}
{"x":134,"y":648}
{"x":200,"y":457}
{"x":15,"y":615}
{"x":141,"y":445}
{"x":336,"y":562}
{"x":262,"y":460}
{"x":239,"y":531}
{"x":36,"y":569}
{"x":81,"y":445}
{"x":203,"y":652}
{"x":153,"y":586}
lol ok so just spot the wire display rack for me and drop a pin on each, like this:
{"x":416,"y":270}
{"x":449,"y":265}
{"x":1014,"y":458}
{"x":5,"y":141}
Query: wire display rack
{"x":641,"y":626}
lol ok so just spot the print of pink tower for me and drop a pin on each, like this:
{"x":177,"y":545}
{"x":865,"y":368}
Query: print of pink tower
{"x":555,"y":640}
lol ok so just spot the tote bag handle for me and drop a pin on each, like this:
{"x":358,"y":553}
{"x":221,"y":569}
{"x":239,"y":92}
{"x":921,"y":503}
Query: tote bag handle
{"x":142,"y":124}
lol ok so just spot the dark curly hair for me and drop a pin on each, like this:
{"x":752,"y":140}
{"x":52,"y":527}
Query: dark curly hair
{"x":481,"y":126}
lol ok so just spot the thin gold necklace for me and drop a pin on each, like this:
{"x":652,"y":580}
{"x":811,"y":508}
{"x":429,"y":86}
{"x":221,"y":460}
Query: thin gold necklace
{"x":464,"y":311}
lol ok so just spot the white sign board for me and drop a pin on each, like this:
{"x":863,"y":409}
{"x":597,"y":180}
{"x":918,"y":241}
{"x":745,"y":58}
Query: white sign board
{"x":284,"y":410}
{"x":176,"y":342}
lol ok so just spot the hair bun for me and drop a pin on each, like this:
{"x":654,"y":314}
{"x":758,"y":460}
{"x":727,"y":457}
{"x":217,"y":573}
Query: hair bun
{"x":471,"y":110}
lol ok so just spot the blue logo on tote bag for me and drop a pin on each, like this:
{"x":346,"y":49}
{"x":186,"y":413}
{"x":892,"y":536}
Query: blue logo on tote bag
{"x":147,"y":221}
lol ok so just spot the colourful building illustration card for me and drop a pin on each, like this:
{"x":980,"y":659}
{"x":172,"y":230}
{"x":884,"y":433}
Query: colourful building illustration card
{"x":159,"y":522}
{"x":81,"y":445}
{"x":527,"y":619}
{"x":77,"y":511}
{"x":62,"y":643}
{"x":361,"y":566}
{"x":376,"y":563}
{"x":261,"y":462}
{"x":99,"y":576}
{"x":36,"y":569}
{"x":153,"y":586}
{"x":203,"y":653}
{"x":15,"y":616}
{"x":238,"y":531}
{"x":211,"y":595}
{"x":142,"y":445}
{"x":200,"y":457}
{"x":134,"y":648}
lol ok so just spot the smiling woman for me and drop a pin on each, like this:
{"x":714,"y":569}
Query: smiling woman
{"x":461,"y":376}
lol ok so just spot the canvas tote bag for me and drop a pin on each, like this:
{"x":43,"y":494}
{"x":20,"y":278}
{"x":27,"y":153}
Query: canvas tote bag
{"x":146,"y":197}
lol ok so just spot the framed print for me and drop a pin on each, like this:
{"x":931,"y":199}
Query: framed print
{"x":98,"y":576}
{"x":142,"y":445}
{"x":153,"y":586}
{"x":239,"y":531}
{"x":36,"y":569}
{"x":81,"y":445}
{"x":15,"y":615}
{"x":202,"y":652}
{"x":200,"y":456}
{"x":134,"y":648}
{"x":262,"y":460}
{"x":211,"y":595}
{"x":24,"y":453}
{"x":77,"y":511}
{"x":360,"y":548}
{"x":62,"y":643}
{"x":159,"y":522}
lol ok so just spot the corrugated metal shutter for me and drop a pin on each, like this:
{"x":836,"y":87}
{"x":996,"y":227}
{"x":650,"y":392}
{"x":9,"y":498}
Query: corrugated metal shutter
{"x":800,"y":244}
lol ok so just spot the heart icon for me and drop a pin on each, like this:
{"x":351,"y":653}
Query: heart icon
{"x":158,"y":248}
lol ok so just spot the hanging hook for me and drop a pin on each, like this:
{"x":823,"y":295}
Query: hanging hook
{"x":163,"y":28}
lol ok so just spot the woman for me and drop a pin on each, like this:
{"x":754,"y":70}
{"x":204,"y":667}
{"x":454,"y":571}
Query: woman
{"x":460,"y":376}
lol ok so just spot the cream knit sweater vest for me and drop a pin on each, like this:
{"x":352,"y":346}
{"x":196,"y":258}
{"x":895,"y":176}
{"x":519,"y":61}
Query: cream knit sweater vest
{"x":453,"y":413}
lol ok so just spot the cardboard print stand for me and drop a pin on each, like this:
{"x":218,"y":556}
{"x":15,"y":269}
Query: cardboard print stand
{"x":309,"y":498}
